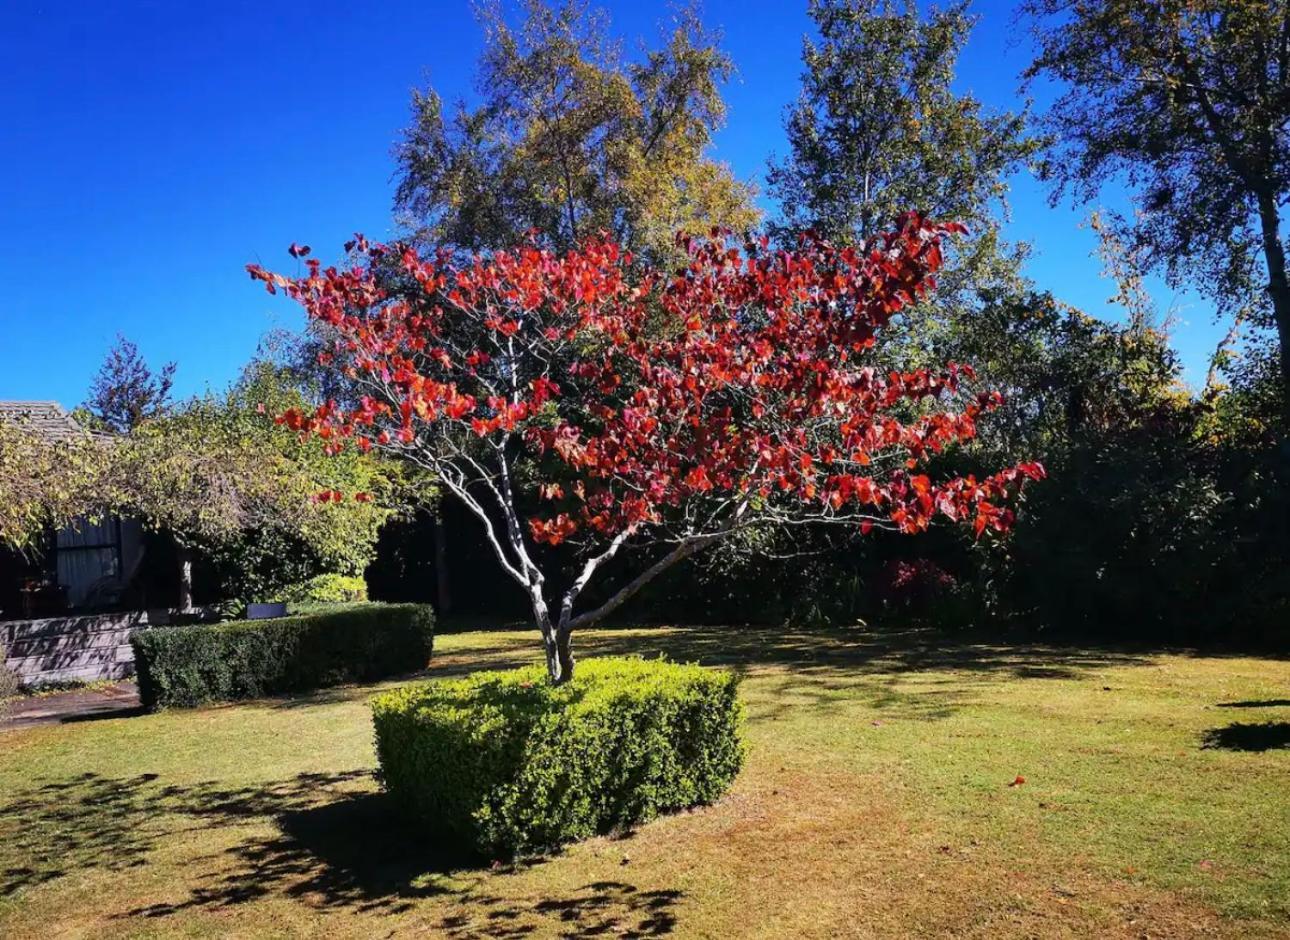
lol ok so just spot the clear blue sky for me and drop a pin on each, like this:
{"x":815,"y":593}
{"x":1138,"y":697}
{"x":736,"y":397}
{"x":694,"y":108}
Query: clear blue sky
{"x":152,"y":149}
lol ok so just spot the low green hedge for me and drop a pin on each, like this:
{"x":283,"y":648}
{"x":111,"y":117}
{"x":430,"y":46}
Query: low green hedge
{"x":509,"y":764}
{"x":184,"y":666}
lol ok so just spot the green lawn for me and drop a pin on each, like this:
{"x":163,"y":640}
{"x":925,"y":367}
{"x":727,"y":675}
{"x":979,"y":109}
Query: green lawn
{"x":876,"y":802}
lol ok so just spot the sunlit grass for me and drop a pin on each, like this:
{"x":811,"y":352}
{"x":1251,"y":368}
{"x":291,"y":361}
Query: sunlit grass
{"x":876,"y":802}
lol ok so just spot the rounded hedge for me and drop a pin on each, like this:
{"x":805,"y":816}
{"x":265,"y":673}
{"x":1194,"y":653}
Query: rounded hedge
{"x":510,"y":764}
{"x":193,"y":665}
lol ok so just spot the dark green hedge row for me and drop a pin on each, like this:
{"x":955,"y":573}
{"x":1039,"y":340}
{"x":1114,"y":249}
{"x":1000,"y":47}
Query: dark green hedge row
{"x":511,"y":765}
{"x":184,"y":666}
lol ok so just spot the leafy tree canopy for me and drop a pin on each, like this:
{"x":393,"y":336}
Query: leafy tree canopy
{"x":648,"y":410}
{"x":46,"y":484}
{"x":219,"y":471}
{"x":878,"y":130}
{"x":572,"y":139}
{"x":1188,"y":101}
{"x":222,"y":478}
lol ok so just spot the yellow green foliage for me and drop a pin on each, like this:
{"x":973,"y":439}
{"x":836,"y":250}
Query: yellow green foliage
{"x":46,"y":484}
{"x":572,"y":139}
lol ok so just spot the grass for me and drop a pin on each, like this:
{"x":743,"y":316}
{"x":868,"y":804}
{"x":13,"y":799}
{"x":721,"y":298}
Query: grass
{"x":876,"y":802}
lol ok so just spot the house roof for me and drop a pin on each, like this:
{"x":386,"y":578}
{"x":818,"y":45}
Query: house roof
{"x":46,"y":418}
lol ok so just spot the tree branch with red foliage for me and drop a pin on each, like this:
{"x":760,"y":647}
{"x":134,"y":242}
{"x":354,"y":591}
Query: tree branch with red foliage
{"x":650,"y":408}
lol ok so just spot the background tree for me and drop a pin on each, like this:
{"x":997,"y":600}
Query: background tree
{"x":879,"y":130}
{"x":572,"y":139}
{"x":254,"y":504}
{"x":252,"y":498}
{"x":659,"y":413}
{"x":126,"y":392}
{"x":46,"y":484}
{"x":1189,"y":103}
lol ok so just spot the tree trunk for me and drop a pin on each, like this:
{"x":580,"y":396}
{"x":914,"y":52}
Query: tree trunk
{"x":558,"y":644}
{"x":1279,"y":291}
{"x":443,"y":587}
{"x":185,"y":577}
{"x":564,"y":653}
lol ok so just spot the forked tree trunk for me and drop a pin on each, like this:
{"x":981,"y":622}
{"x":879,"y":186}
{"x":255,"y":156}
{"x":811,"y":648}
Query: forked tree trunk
{"x":557,"y":635}
{"x":557,"y":641}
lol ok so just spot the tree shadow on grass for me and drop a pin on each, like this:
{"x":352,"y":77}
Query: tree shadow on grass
{"x":599,"y":909}
{"x":351,"y":853}
{"x":329,"y":840}
{"x":61,"y":827}
{"x":1265,"y":736}
{"x":865,"y":650}
{"x":917,"y":674}
{"x":326,"y":840}
{"x":827,"y":664}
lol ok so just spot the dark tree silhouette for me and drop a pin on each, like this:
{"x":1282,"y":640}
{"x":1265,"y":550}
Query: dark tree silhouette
{"x":126,"y":392}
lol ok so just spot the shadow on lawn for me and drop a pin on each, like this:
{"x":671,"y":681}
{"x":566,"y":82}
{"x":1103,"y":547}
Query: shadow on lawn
{"x":94,"y":822}
{"x":822,"y":667}
{"x":860,"y":650}
{"x":599,"y":909}
{"x":1265,"y":736}
{"x":327,"y":840}
{"x":918,"y":674}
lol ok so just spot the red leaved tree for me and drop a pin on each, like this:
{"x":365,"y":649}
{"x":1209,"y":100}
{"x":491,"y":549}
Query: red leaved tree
{"x":636,"y":408}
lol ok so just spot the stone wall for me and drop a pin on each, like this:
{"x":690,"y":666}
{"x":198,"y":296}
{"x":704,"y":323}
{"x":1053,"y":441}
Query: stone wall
{"x":86,"y":648}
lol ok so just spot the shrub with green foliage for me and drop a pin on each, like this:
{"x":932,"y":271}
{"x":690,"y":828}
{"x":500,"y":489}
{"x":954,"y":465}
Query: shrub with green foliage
{"x":185,"y":666}
{"x":511,"y":764}
{"x":330,"y":588}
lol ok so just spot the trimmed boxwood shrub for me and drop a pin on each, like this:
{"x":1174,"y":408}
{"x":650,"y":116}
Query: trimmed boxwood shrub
{"x":185,"y":666}
{"x":510,"y":765}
